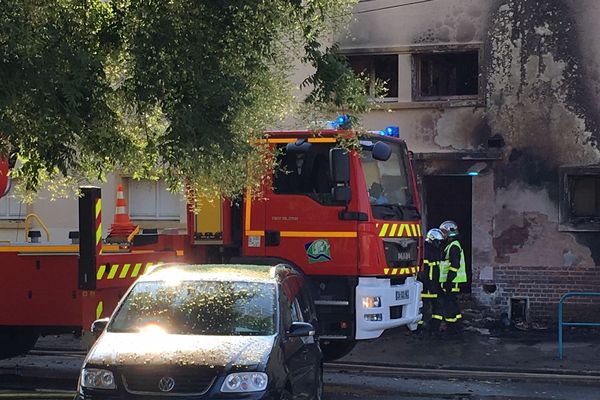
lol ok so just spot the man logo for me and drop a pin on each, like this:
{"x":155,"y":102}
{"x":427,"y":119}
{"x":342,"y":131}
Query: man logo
{"x":166,"y":384}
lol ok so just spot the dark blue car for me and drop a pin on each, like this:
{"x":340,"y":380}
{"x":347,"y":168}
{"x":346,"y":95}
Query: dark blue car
{"x":208,"y":332}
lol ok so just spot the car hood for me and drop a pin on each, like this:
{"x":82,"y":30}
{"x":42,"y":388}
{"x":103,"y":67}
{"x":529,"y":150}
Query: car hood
{"x":139,"y":349}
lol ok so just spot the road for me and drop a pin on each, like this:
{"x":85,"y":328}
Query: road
{"x":343,"y":385}
{"x":356,"y":386}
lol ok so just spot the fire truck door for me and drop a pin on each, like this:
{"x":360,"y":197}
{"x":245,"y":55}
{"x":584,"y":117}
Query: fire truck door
{"x":302,"y":222}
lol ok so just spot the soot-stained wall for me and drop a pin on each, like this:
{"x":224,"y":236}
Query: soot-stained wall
{"x":540,"y":80}
{"x":540,"y":97}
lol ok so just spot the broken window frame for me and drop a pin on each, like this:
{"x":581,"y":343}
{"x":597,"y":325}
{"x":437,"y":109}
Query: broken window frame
{"x":372,"y":76}
{"x":568,"y":220}
{"x":416,"y":59}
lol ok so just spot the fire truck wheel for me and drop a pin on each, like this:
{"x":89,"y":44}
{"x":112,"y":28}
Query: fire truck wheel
{"x":334,"y":349}
{"x":16,"y":341}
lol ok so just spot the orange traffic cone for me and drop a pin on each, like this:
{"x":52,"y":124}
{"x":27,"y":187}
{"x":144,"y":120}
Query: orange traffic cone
{"x":122,"y":226}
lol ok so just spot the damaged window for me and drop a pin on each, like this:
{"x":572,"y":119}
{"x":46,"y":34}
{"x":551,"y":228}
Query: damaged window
{"x":585,"y":196}
{"x":580,"y":200}
{"x":443,"y":75}
{"x":383,"y":68}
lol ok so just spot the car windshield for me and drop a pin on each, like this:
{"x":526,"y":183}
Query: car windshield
{"x":199,"y":308}
{"x":388,"y":183}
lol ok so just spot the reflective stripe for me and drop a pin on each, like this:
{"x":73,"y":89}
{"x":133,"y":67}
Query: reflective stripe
{"x":136,"y":270}
{"x":429,"y":295}
{"x":393,"y":230}
{"x":99,"y":309}
{"x":456,"y":318}
{"x":310,"y":140}
{"x":436,"y":316}
{"x":113,"y":271}
{"x":100,"y":272}
{"x":120,"y":210}
{"x":341,"y":234}
{"x":400,"y":271}
{"x":430,"y":272}
{"x":452,"y":269}
{"x":399,"y":230}
{"x":384,"y":229}
{"x":124,"y":271}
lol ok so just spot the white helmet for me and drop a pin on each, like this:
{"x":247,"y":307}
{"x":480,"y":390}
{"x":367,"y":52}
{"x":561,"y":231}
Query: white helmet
{"x":434,"y":235}
{"x":449,"y":228}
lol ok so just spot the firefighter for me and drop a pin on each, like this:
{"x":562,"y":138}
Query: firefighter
{"x":429,"y":276}
{"x":452,"y":274}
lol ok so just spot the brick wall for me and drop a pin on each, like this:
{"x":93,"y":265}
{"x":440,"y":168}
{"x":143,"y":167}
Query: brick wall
{"x":543,"y":288}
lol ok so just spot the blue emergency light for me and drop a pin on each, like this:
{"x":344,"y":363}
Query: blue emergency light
{"x":342,"y":120}
{"x":392,"y":131}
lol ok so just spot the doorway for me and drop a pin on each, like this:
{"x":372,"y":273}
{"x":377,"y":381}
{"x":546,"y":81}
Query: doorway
{"x":450,"y":198}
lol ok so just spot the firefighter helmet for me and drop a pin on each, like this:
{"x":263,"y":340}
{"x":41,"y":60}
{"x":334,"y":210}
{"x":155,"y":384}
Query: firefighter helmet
{"x":449,"y":228}
{"x":434,"y":235}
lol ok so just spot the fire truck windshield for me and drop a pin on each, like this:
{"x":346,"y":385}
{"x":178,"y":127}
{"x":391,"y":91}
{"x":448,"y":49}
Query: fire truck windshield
{"x":388,"y":183}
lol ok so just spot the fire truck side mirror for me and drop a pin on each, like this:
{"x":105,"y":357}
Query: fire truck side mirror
{"x":382,"y":151}
{"x":339,"y":166}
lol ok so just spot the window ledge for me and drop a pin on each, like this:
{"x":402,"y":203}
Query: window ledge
{"x":450,"y":103}
{"x":11,"y":223}
{"x":580,"y":225}
{"x":158,"y":223}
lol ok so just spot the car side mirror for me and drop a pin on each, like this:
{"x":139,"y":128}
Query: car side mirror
{"x":99,"y":325}
{"x":381,"y":151}
{"x":301,"y":329}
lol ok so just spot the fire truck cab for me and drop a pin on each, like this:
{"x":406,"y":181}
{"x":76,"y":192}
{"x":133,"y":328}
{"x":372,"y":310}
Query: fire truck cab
{"x":348,"y":219}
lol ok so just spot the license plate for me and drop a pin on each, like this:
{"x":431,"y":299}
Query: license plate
{"x":401,"y":295}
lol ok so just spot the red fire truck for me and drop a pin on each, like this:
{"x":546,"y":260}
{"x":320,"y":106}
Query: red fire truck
{"x":348,"y":219}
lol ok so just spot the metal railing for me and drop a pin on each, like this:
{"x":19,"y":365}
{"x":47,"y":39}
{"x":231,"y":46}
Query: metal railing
{"x":560,"y":317}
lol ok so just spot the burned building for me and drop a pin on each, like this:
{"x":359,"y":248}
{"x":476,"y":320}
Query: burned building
{"x":497,"y":100}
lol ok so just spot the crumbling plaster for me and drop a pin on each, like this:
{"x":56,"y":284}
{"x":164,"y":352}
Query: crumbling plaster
{"x":537,"y":101}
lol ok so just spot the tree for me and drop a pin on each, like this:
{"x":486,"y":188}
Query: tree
{"x":180,"y":89}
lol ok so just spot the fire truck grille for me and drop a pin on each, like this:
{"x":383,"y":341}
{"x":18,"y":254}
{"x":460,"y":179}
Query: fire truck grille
{"x":400,"y":252}
{"x":183,"y":380}
{"x":395,"y":312}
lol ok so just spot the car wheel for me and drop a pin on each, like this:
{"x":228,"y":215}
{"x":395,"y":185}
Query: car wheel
{"x":319,"y":385}
{"x":335,"y":349}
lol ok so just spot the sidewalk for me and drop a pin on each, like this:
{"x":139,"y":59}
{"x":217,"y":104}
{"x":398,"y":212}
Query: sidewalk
{"x":476,"y":349}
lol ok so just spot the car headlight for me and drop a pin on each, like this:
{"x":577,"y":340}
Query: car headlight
{"x":240,"y":382}
{"x":93,"y":378}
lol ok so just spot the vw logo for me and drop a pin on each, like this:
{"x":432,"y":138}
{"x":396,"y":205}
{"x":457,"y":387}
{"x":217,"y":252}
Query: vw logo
{"x":166,"y":384}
